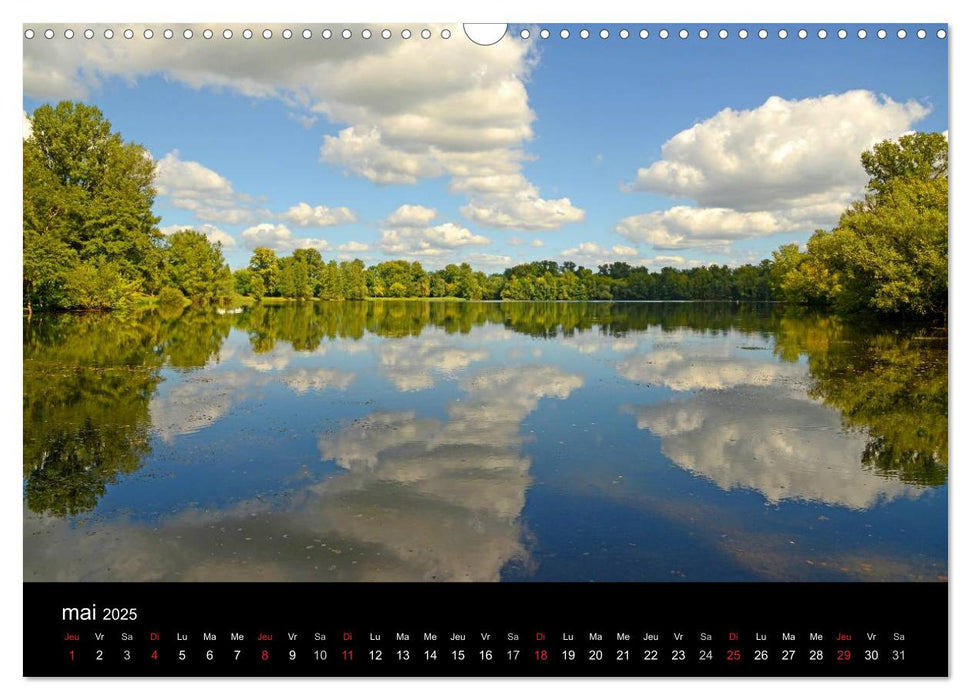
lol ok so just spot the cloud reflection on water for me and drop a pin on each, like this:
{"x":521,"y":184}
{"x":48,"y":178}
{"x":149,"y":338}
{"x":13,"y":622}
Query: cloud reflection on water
{"x":770,"y":440}
{"x":417,"y":499}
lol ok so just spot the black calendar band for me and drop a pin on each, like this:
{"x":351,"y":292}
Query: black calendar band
{"x":532,"y":629}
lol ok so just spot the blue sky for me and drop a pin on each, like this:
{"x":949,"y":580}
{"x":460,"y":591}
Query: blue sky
{"x":441,"y":151}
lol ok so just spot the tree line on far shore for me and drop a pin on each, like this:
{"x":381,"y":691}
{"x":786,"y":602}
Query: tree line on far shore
{"x":91,"y":242}
{"x":305,"y":275}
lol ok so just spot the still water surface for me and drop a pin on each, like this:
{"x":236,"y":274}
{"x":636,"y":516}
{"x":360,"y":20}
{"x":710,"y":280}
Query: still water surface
{"x":483,"y":441}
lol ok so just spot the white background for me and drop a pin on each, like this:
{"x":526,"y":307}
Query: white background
{"x":599,"y":11}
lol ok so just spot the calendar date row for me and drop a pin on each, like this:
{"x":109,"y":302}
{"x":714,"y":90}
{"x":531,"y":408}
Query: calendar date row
{"x":378,"y":655}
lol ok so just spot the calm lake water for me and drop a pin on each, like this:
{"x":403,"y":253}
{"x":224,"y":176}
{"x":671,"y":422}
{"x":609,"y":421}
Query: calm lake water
{"x":483,"y":441}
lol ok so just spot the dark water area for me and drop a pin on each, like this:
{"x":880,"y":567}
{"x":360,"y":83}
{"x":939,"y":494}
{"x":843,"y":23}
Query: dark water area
{"x":475,"y":441}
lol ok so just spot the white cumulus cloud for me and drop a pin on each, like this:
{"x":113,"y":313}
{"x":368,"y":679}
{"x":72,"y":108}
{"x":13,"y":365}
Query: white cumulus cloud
{"x":192,"y":186}
{"x":279,"y":238}
{"x":780,"y":153}
{"x":411,"y":215}
{"x":428,"y":241}
{"x":694,"y":227}
{"x":404,"y":110}
{"x":516,"y":241}
{"x":213,"y":233}
{"x":785,"y":165}
{"x":595,"y":249}
{"x":590,"y":254}
{"x":408,"y":232}
{"x":489,"y":261}
{"x":353,"y":247}
{"x":305,"y":215}
{"x":512,"y":202}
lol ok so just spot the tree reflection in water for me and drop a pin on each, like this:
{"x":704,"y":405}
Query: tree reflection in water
{"x":89,"y":379}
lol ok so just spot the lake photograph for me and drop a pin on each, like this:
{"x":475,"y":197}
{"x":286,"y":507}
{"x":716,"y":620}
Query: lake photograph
{"x":298,"y":308}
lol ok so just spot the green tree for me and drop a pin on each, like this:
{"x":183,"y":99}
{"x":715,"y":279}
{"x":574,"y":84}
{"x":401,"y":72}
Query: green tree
{"x":249,"y":284}
{"x":410,"y":278}
{"x":243,"y":281}
{"x":257,"y":288}
{"x":331,"y":283}
{"x":889,"y":253}
{"x":47,"y":262}
{"x":787,"y":279}
{"x":468,"y":286}
{"x":891,"y":256}
{"x":420,"y":284}
{"x":293,"y":280}
{"x":264,"y":263}
{"x":87,"y":198}
{"x":171,"y":300}
{"x":918,"y":156}
{"x":97,"y":284}
{"x":195,"y":266}
{"x":315,"y":267}
{"x":353,"y":280}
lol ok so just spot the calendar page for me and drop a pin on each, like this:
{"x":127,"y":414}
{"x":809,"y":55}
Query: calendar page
{"x":485,"y":350}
